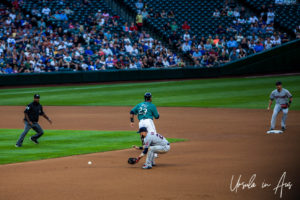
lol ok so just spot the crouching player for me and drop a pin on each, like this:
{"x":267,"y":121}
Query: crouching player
{"x":153,"y":143}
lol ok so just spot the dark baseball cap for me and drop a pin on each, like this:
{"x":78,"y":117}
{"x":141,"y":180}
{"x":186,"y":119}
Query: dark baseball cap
{"x":142,"y":129}
{"x":36,"y":96}
{"x":278,"y":83}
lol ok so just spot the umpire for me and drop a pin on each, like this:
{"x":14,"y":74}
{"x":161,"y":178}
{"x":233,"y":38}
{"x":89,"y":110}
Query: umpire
{"x":32,"y":113}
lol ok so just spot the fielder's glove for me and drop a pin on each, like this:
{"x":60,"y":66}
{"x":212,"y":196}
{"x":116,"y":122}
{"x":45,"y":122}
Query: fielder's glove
{"x":132,"y":161}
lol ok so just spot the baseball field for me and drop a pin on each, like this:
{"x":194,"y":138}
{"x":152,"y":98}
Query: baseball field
{"x":217,"y":129}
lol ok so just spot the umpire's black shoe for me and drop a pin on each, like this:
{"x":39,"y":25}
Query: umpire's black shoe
{"x":283,"y":128}
{"x":34,"y":140}
{"x":18,"y":145}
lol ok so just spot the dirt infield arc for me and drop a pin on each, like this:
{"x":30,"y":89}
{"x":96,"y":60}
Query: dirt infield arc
{"x":221,"y":143}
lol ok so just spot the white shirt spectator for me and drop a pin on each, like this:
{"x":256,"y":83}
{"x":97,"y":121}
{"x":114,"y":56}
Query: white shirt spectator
{"x":12,"y":16}
{"x":107,"y":51}
{"x":46,"y":11}
{"x":134,"y":52}
{"x":11,"y":40}
{"x":276,"y":41}
{"x":132,"y":66}
{"x":186,"y":47}
{"x":236,"y":13}
{"x":216,"y":14}
{"x":241,"y":21}
{"x":268,"y":44}
{"x":186,"y":36}
{"x":252,"y":20}
{"x":271,"y":16}
{"x":166,"y":63}
{"x":61,"y":46}
{"x":128,"y":48}
{"x":8,"y":21}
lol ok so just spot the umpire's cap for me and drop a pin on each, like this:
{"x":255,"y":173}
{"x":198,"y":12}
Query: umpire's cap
{"x":142,"y":129}
{"x":278,"y":83}
{"x":147,"y":95}
{"x":36,"y":96}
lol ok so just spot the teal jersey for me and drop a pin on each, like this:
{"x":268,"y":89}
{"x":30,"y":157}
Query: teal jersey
{"x":145,"y":110}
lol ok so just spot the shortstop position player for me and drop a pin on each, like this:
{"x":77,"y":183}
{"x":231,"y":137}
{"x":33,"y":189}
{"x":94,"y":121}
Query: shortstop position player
{"x":283,"y":101}
{"x":154,"y":143}
{"x":32,"y":113}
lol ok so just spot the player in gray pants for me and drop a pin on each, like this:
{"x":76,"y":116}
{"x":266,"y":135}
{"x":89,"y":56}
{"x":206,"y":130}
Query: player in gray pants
{"x":153,"y":143}
{"x":283,"y":101}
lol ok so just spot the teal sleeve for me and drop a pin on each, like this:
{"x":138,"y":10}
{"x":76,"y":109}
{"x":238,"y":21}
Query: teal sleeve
{"x":155,"y":112}
{"x":135,"y":109}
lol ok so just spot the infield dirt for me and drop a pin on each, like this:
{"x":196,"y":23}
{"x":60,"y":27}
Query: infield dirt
{"x":221,"y":143}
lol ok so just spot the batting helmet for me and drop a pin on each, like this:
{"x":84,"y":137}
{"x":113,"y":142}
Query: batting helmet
{"x":147,"y":96}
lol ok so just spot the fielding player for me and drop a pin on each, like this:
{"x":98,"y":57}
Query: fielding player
{"x":32,"y":113}
{"x":283,"y":101}
{"x":154,"y":143}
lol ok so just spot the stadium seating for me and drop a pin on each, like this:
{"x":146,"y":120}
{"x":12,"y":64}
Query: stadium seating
{"x":287,"y":16}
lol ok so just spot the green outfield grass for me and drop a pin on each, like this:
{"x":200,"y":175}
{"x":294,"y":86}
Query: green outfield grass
{"x":59,"y":143}
{"x":226,"y":92}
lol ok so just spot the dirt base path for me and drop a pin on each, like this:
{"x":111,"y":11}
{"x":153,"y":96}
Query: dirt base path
{"x":221,"y":143}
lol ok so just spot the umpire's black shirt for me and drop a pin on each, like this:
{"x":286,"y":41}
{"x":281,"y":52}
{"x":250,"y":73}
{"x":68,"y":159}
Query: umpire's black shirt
{"x":33,"y":111}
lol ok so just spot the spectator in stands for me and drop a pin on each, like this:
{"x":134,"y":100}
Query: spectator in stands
{"x":68,"y":11}
{"x":233,"y":56}
{"x":171,"y":14}
{"x":139,"y":21}
{"x":216,"y":13}
{"x":276,"y":40}
{"x":252,"y":19}
{"x":223,"y":58}
{"x":167,"y":27}
{"x":270,"y":16}
{"x":216,"y":40}
{"x":297,"y":32}
{"x":220,"y":30}
{"x":139,"y":5}
{"x":46,"y":11}
{"x":163,"y":14}
{"x":145,"y":13}
{"x":185,"y":26}
{"x":126,"y":27}
{"x":204,"y":61}
{"x":230,"y":13}
{"x":268,"y":43}
{"x":258,"y":47}
{"x":186,"y":47}
{"x":174,"y":26}
{"x":236,"y":13}
{"x":133,"y":27}
{"x":207,"y":46}
{"x":284,"y":38}
{"x":232,"y":43}
{"x":196,"y":55}
{"x":186,"y":36}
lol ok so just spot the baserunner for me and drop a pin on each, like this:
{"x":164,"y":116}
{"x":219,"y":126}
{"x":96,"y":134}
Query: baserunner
{"x":145,"y":112}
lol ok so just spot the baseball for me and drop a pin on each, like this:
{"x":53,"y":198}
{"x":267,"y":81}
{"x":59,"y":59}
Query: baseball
{"x":90,"y":162}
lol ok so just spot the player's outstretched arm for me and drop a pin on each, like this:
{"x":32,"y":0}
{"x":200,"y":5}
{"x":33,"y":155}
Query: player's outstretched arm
{"x":47,"y":118}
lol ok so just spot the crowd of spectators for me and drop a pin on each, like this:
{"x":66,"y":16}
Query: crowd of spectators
{"x":32,"y":43}
{"x":246,"y":35}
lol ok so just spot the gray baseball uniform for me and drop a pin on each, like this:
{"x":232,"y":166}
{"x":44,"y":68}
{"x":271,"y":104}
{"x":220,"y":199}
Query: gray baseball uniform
{"x":281,"y":98}
{"x":156,"y":144}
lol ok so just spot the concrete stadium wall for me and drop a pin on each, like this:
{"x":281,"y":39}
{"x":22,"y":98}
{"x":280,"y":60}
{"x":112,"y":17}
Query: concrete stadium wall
{"x":282,"y":59}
